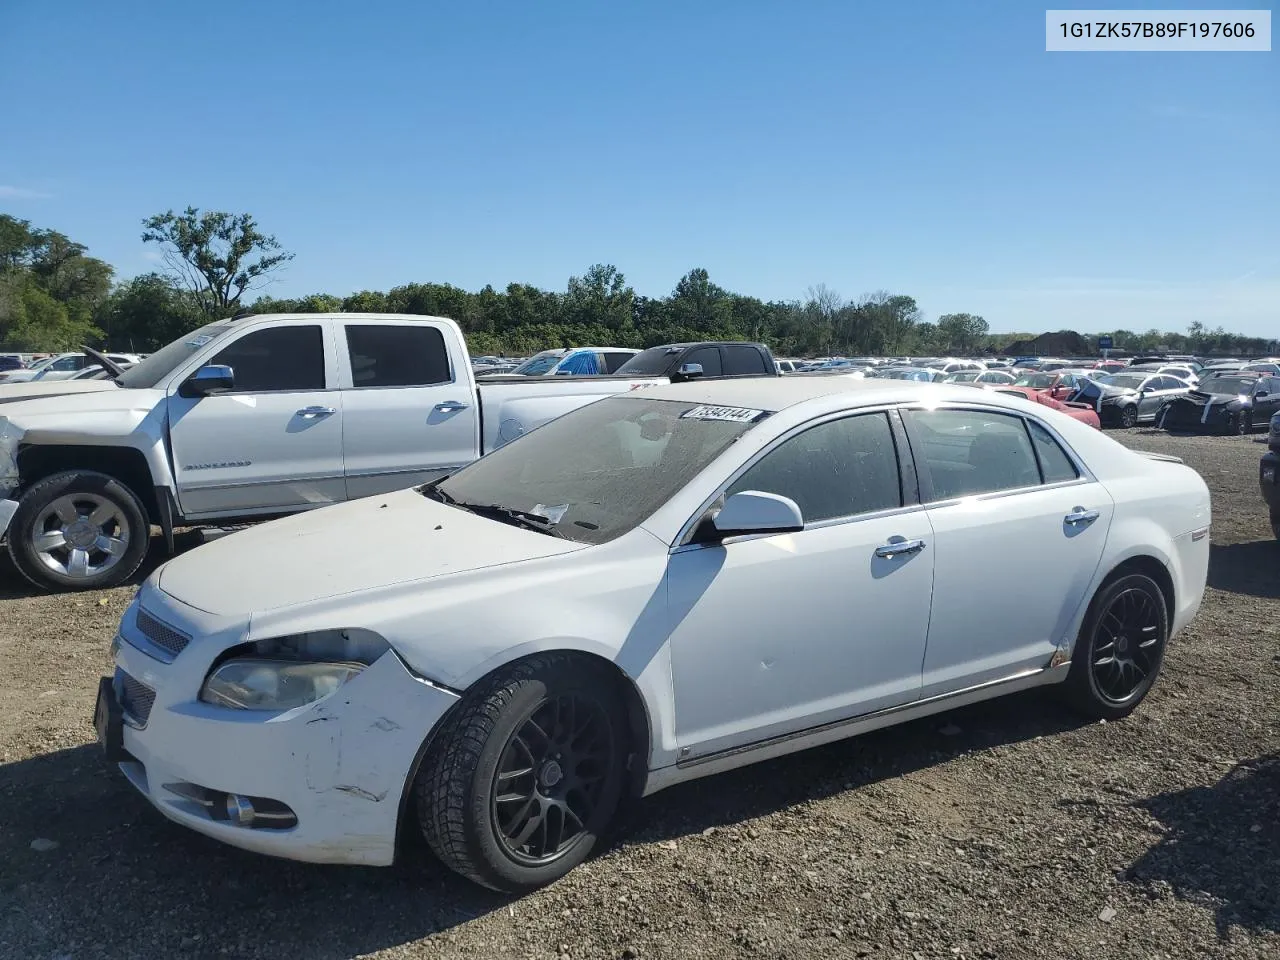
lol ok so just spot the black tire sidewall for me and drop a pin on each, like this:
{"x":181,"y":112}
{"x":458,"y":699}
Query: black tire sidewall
{"x":491,"y":861}
{"x":41,"y":494}
{"x":1081,"y":684}
{"x":1129,"y":417}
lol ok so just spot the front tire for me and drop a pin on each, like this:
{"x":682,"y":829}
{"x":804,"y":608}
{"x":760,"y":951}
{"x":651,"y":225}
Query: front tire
{"x":1120,"y":649}
{"x":78,"y":530}
{"x":1129,"y":417}
{"x":526,"y":773}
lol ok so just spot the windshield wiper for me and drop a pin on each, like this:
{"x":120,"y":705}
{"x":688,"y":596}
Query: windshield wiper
{"x":519,"y":518}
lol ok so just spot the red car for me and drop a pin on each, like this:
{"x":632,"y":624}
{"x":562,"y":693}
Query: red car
{"x":1077,"y":411}
{"x":1059,"y":384}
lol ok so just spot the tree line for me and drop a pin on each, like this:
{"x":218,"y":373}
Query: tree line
{"x":54,"y":296}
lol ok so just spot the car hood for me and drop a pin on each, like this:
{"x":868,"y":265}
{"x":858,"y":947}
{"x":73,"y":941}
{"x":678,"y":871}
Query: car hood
{"x":26,"y":390}
{"x":346,"y":549}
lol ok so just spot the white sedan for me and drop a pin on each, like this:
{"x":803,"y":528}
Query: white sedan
{"x":655,"y":587}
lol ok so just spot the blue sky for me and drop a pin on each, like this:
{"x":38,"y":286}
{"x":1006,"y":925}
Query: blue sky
{"x":933,"y":149}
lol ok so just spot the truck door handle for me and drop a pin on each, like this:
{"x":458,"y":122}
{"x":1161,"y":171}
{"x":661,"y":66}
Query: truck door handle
{"x":899,"y":547}
{"x":451,"y":406}
{"x":1080,"y":515}
{"x":312,"y":413}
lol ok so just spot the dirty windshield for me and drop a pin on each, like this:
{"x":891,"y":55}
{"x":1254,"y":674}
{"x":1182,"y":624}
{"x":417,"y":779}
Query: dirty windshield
{"x":153,"y":369}
{"x":597,"y":472}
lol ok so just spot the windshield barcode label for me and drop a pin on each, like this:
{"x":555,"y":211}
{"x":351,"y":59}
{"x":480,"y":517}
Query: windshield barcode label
{"x":732,"y":414}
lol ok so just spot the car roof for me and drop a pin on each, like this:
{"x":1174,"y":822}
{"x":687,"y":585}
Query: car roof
{"x":779,"y":393}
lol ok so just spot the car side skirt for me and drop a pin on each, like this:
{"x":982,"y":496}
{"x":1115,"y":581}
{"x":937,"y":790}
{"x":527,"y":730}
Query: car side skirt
{"x":713,"y":763}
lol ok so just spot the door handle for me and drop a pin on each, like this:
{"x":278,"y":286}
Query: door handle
{"x":311,"y":413}
{"x":451,"y":406}
{"x":1080,"y":515}
{"x":899,"y":547}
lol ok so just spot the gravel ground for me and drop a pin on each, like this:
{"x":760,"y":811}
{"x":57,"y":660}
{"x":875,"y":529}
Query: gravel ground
{"x":1006,"y":830}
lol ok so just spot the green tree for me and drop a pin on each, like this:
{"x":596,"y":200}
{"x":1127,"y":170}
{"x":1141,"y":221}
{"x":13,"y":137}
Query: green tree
{"x":962,"y":332}
{"x":147,"y":312}
{"x":217,"y":256}
{"x":600,"y":297}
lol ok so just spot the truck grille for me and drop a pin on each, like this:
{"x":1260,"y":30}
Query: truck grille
{"x":136,"y":698}
{"x":162,"y":635}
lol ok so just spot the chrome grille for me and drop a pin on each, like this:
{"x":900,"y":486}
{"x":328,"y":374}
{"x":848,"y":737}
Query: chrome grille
{"x":136,"y":698}
{"x":162,"y":635}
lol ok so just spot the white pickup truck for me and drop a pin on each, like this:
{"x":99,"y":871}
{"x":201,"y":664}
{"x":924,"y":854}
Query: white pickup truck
{"x":245,"y":419}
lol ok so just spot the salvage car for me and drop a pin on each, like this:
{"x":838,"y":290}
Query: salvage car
{"x":673,"y":582}
{"x":1127,"y":399}
{"x":1231,"y":403}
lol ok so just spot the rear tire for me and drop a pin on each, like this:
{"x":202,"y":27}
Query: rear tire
{"x":1129,"y":417}
{"x":526,"y":773}
{"x":1120,"y":650}
{"x":78,"y":530}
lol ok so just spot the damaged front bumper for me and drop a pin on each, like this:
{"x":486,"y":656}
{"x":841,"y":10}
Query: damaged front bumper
{"x":340,"y":766}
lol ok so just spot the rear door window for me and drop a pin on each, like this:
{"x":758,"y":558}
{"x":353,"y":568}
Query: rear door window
{"x":397,"y":355}
{"x":740,"y":361}
{"x":971,"y":452}
{"x":613,"y":360}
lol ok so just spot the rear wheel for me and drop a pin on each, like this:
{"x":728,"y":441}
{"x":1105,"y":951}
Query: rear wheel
{"x":526,"y":774}
{"x":1120,"y":649}
{"x":78,"y":530}
{"x":1129,"y":417}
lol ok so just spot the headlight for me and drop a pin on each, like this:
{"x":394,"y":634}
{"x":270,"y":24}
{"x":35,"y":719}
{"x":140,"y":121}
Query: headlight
{"x":274,"y":684}
{"x":288,"y":672}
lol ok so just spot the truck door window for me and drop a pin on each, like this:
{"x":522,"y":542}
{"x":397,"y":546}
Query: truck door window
{"x":279,"y":359}
{"x":743,"y":362}
{"x":709,"y":357}
{"x":399,"y":355}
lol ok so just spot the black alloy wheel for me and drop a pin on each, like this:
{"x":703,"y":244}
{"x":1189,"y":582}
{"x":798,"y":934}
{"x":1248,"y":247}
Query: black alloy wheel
{"x":1120,"y":649}
{"x":548,"y":784}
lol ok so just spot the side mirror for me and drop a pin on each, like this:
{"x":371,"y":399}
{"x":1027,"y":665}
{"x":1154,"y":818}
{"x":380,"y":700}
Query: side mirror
{"x":1262,"y":393}
{"x":210,"y":379}
{"x":754,"y":511}
{"x":689,"y":371}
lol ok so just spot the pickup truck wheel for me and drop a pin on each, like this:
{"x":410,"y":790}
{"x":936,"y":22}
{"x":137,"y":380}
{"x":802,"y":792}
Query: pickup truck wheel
{"x":1129,"y":417}
{"x":525,"y":774}
{"x":1120,"y":649}
{"x":78,"y":530}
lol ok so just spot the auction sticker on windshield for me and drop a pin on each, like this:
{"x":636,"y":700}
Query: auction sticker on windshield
{"x":731,"y":414}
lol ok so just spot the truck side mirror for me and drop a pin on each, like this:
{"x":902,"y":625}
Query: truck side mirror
{"x":209,"y":379}
{"x":689,"y":371}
